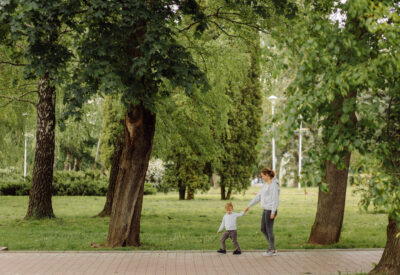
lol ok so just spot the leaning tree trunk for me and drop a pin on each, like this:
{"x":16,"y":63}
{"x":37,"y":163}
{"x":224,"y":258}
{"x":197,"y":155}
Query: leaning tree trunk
{"x":127,"y":203}
{"x":106,"y":212}
{"x":329,"y":218}
{"x":40,"y":205}
{"x":389,"y":263}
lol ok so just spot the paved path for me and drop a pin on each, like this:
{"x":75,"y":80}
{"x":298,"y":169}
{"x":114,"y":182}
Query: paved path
{"x":189,"y":262}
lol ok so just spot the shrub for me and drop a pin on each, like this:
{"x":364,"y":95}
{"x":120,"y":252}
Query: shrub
{"x":65,"y":183}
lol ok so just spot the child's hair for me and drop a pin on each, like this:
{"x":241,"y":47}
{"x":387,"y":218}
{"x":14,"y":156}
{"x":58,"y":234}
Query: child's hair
{"x":229,"y":205}
{"x":269,"y":172}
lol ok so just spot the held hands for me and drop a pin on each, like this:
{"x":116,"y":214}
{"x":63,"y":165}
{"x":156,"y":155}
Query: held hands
{"x":218,"y":232}
{"x":246,"y":209}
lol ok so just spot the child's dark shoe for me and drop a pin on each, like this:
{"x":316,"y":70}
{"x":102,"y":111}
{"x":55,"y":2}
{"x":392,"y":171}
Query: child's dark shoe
{"x":222,"y":251}
{"x":237,"y":252}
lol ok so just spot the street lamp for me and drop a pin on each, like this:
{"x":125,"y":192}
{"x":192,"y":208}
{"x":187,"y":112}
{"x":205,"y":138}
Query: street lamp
{"x":26,"y":143}
{"x":300,"y":157}
{"x":273,"y":99}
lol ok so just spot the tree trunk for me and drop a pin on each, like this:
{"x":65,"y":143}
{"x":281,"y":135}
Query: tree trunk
{"x":106,"y":212}
{"x":329,"y":218}
{"x":190,"y":194}
{"x":40,"y":205}
{"x":223,"y":195}
{"x":389,"y":263}
{"x":77,"y":164}
{"x":228,"y":194}
{"x":127,"y":203}
{"x":182,"y":190}
{"x":67,"y":163}
{"x":214,"y":181}
{"x":97,"y":154}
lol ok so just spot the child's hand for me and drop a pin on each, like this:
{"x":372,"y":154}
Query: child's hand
{"x":218,"y":232}
{"x":246,"y":209}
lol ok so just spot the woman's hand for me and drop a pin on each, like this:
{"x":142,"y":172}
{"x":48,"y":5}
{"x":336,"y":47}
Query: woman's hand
{"x":272,"y":216}
{"x":246,"y":209}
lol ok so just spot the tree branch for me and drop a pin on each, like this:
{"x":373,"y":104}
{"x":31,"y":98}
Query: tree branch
{"x":17,"y":87}
{"x":11,"y":63}
{"x":12,"y":99}
{"x":224,"y":31}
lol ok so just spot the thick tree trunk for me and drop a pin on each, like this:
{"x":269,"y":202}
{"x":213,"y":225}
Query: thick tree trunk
{"x":329,"y":218}
{"x":190,"y":194}
{"x":389,"y":263}
{"x":118,"y":146}
{"x":182,"y":190}
{"x":40,"y":205}
{"x":127,"y":203}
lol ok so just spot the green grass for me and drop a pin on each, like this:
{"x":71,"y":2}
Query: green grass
{"x":193,"y":224}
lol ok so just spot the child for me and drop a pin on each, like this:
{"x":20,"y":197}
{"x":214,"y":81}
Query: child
{"x":229,"y":222}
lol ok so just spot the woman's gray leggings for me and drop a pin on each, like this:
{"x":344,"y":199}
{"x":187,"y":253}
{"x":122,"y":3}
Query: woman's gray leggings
{"x":267,"y":228}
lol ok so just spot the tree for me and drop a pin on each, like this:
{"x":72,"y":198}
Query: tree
{"x":32,"y":31}
{"x":380,"y":131}
{"x":243,"y":129}
{"x":130,"y":48}
{"x":335,"y":68}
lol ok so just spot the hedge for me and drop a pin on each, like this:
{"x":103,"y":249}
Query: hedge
{"x":65,"y":183}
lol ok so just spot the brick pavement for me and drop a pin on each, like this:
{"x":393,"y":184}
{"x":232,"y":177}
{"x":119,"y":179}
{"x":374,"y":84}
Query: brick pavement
{"x":189,"y":262}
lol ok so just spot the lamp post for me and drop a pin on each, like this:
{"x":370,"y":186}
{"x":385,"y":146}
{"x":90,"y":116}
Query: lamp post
{"x":300,"y":157}
{"x":26,"y":141}
{"x":273,"y":99}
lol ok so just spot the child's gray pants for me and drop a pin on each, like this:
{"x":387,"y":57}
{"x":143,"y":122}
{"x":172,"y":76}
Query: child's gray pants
{"x":267,"y":228}
{"x":230,"y":234}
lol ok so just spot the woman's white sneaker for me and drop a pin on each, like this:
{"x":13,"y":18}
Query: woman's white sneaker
{"x":270,"y":253}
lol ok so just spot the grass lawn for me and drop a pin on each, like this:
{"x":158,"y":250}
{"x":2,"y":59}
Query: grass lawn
{"x":170,"y":224}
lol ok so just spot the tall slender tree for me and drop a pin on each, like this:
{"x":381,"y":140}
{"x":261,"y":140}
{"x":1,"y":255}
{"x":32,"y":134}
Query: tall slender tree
{"x":243,"y":128}
{"x":32,"y":30}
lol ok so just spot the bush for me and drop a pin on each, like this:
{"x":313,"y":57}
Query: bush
{"x":80,"y":183}
{"x":65,"y":183}
{"x":149,"y":189}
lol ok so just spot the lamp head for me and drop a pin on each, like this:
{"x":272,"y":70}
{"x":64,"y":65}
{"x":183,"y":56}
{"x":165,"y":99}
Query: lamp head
{"x":273,"y":99}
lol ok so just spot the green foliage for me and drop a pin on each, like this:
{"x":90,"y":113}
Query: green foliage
{"x":130,"y":48}
{"x":185,"y":169}
{"x":338,"y":63}
{"x":243,"y":128}
{"x":65,"y":183}
{"x":112,"y":128}
{"x":31,"y":30}
{"x":76,"y":140}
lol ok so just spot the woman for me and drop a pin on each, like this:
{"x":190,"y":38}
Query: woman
{"x":269,"y":199}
